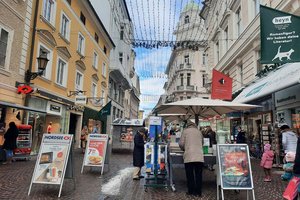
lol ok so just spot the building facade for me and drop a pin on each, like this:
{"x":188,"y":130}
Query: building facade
{"x":78,"y":48}
{"x":187,"y":67}
{"x":122,"y":84}
{"x":234,"y":49}
{"x":15,"y":18}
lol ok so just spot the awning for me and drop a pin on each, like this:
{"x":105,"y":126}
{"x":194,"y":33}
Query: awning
{"x":2,"y":103}
{"x":287,"y":75}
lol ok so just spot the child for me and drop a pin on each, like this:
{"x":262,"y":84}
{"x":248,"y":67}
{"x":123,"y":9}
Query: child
{"x":267,"y":162}
{"x":289,"y":160}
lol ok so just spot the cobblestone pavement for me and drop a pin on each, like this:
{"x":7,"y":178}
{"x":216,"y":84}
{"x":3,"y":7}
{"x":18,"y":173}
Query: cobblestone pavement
{"x":15,"y":180}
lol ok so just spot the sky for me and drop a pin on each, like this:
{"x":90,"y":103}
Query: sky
{"x":152,"y":20}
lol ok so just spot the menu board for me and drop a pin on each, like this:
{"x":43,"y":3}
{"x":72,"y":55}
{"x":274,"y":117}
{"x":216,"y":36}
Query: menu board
{"x":95,"y":151}
{"x":52,"y":160}
{"x":234,"y":166}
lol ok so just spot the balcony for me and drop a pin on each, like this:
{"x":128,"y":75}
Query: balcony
{"x":185,"y":67}
{"x":181,"y":87}
{"x":190,"y":87}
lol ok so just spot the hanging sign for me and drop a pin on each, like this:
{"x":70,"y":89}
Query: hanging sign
{"x":52,"y":160}
{"x":280,"y":36}
{"x":24,"y":89}
{"x":234,"y":167}
{"x":80,"y":99}
{"x":221,"y":86}
{"x":95,"y":151}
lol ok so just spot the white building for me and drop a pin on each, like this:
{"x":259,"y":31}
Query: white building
{"x":187,"y":67}
{"x":120,"y":27}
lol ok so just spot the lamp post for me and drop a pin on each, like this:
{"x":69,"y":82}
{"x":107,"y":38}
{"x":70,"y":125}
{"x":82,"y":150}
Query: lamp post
{"x":42,"y":64}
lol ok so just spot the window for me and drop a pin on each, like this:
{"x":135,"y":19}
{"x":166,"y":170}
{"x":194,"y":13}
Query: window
{"x":94,"y":90}
{"x":187,"y":19}
{"x":187,"y":59}
{"x":82,"y":18}
{"x":188,"y":79}
{"x":121,"y":32}
{"x":121,"y":57}
{"x":81,"y":44}
{"x":69,"y":1}
{"x":181,"y":79}
{"x":48,"y":71}
{"x":181,"y":98}
{"x":96,"y":38}
{"x":103,"y":96}
{"x":217,"y":51}
{"x":238,"y":21}
{"x":49,"y":10}
{"x":65,"y":26}
{"x":104,"y":49}
{"x":4,"y":48}
{"x":256,"y":6}
{"x":204,"y":59}
{"x":204,"y":79}
{"x":241,"y":74}
{"x":104,"y":69}
{"x":95,"y":60}
{"x":61,"y":72}
{"x":226,"y":38}
{"x":188,"y":97}
{"x":79,"y":81}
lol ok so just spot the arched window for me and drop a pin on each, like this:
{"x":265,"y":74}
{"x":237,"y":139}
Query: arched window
{"x":187,"y":19}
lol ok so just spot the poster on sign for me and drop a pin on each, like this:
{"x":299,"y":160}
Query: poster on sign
{"x":234,"y":167}
{"x":95,"y":151}
{"x":52,"y":160}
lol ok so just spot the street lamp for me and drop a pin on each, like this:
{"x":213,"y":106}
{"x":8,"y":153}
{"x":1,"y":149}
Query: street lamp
{"x":42,"y":64}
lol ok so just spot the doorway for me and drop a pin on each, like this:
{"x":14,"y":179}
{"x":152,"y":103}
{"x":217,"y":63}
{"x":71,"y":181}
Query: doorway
{"x":72,"y":125}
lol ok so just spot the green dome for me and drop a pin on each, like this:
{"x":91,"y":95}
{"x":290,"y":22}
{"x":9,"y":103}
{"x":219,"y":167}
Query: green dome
{"x":191,"y":6}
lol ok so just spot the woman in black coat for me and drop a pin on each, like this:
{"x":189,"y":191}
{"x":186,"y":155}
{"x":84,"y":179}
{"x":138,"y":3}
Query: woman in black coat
{"x":10,"y":142}
{"x":138,"y":153}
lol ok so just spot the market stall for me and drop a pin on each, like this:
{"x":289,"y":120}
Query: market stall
{"x":123,"y":133}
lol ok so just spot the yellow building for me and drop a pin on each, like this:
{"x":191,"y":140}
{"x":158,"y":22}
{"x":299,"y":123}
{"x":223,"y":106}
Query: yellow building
{"x":78,"y":48}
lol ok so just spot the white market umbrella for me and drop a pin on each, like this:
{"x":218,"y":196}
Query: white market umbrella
{"x":199,"y":107}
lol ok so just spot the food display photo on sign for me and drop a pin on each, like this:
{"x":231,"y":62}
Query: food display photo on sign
{"x":52,"y":159}
{"x":235,"y":167}
{"x":95,"y":151}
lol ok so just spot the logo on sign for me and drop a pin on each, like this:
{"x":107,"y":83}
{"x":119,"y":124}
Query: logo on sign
{"x":24,"y":89}
{"x":54,"y":137}
{"x":282,"y":20}
{"x":80,"y":100}
{"x":67,"y":138}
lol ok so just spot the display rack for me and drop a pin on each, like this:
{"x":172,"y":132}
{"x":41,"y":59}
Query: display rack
{"x":24,"y":142}
{"x":156,"y":156}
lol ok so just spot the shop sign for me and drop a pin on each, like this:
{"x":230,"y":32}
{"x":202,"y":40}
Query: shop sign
{"x":287,"y":96}
{"x":155,"y":120}
{"x":95,"y":151}
{"x":234,"y":167}
{"x":221,"y":86}
{"x":24,"y":89}
{"x":280,"y":36}
{"x":52,"y":160}
{"x":53,"y":108}
{"x":80,"y":99}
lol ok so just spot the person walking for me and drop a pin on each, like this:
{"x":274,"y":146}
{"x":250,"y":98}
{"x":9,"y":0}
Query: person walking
{"x":241,"y":136}
{"x":267,"y":162}
{"x":209,"y":133}
{"x":191,"y":143}
{"x":10,"y":142}
{"x":289,"y":139}
{"x":83,"y":138}
{"x":49,"y":128}
{"x":138,"y":153}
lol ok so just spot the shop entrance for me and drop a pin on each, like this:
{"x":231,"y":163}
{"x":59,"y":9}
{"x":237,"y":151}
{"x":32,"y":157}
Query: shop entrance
{"x":72,"y":125}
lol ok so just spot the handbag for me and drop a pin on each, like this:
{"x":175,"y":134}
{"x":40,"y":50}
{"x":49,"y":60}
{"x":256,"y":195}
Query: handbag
{"x":291,"y":191}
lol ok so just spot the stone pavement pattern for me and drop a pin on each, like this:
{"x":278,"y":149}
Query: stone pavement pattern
{"x":15,"y":180}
